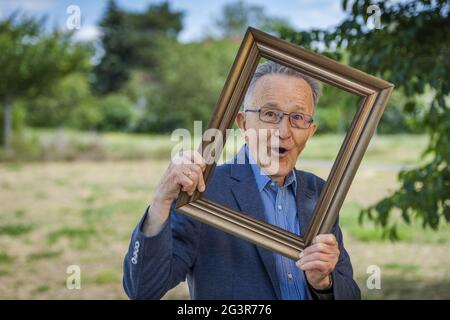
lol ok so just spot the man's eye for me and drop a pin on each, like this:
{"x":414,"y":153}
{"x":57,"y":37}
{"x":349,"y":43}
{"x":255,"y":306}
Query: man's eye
{"x":270,"y":114}
{"x":297,"y":117}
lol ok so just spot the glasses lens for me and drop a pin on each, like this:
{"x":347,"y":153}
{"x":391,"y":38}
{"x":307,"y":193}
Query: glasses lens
{"x":299,"y":120}
{"x":270,"y":115}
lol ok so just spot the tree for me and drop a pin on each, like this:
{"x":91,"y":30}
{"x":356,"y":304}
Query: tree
{"x":58,"y":106}
{"x":129,"y":40}
{"x":158,"y":21}
{"x":112,"y":71}
{"x":31,"y":61}
{"x":411,"y":50}
{"x":237,"y":16}
{"x":186,"y":84}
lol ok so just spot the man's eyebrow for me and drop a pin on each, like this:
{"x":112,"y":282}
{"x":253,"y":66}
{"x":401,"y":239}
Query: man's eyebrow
{"x":275,"y":105}
{"x":272,"y":105}
{"x":302,"y":108}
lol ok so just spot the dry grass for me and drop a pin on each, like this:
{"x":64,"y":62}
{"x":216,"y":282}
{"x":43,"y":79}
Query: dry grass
{"x":58,"y":214}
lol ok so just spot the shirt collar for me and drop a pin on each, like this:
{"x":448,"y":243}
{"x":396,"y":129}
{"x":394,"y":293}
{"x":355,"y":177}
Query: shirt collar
{"x":262,"y":179}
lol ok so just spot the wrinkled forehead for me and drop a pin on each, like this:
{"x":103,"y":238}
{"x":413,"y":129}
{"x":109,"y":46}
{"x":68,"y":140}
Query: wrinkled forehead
{"x":286,"y":92}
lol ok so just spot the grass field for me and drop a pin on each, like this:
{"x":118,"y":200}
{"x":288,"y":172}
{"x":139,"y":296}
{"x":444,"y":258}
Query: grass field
{"x":60,"y":213}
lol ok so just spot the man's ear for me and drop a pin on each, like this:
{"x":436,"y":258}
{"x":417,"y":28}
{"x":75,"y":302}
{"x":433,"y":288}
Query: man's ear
{"x":312,"y":129}
{"x":240,"y":121}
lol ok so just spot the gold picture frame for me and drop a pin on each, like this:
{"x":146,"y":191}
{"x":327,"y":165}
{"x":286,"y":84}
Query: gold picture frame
{"x":374,"y":93}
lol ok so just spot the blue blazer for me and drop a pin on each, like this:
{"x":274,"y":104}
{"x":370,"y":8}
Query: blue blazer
{"x":218,"y":265}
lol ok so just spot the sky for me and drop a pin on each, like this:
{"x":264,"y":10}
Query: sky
{"x":199,"y":14}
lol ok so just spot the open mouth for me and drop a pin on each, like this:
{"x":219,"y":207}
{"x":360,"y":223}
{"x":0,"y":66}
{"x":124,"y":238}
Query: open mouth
{"x":280,"y":152}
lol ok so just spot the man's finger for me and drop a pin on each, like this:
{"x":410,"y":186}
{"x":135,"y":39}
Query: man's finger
{"x":321,"y":266}
{"x":319,"y":257}
{"x":194,"y":177}
{"x":195,"y":157}
{"x":201,"y":182}
{"x":198,"y":177}
{"x":185,"y":182}
{"x":325,"y":238}
{"x":320,"y":247}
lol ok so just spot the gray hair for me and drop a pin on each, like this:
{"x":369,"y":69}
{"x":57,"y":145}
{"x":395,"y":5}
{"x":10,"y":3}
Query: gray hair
{"x":271,"y":67}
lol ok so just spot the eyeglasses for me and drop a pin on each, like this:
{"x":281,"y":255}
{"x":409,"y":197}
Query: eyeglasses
{"x":271,"y":115}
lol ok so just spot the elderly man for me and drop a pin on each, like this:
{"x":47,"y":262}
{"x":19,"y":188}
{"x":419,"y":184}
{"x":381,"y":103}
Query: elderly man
{"x":168,"y":247}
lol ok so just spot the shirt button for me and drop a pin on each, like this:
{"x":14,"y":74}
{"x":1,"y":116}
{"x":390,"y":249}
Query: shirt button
{"x":279,"y":207}
{"x":290,"y":277}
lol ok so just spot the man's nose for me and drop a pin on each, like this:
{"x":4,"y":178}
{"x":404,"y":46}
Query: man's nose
{"x":284,"y":128}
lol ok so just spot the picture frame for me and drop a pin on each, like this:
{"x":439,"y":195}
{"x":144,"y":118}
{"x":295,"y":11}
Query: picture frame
{"x":374,"y":94}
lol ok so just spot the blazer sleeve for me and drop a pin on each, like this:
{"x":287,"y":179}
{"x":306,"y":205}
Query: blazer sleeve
{"x":344,"y":287}
{"x":154,"y":265}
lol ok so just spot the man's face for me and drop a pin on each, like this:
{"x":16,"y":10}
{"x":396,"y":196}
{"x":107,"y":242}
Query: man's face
{"x":283,"y":143}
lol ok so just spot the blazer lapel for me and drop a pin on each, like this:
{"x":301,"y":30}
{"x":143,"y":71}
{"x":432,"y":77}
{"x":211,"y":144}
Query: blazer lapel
{"x":247,"y":196}
{"x":303,"y":197}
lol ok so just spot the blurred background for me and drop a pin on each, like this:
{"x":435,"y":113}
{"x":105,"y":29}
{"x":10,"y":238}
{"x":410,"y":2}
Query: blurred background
{"x":90,"y":92}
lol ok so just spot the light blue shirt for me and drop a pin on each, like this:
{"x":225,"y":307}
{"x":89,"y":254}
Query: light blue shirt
{"x":281,"y":210}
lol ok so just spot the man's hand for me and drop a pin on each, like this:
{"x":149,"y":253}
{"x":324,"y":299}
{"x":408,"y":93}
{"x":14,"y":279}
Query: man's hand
{"x":319,"y":260}
{"x":185,"y":173}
